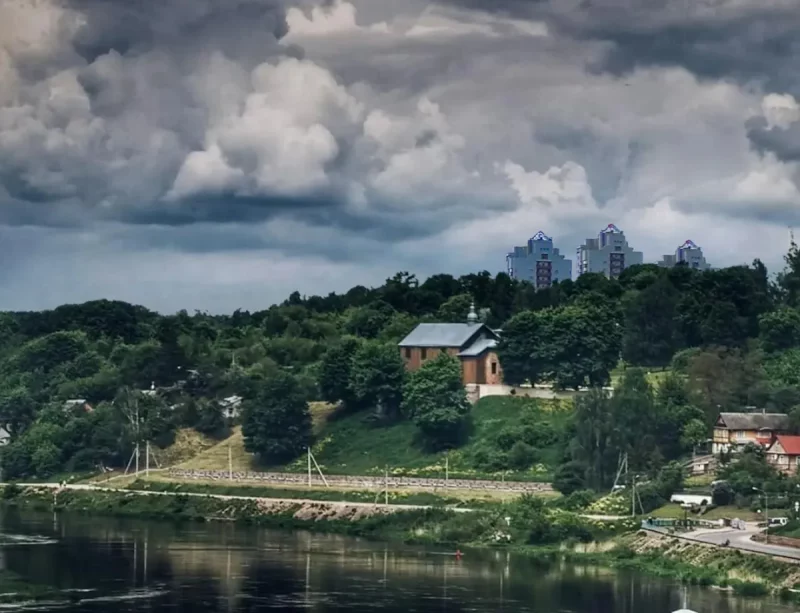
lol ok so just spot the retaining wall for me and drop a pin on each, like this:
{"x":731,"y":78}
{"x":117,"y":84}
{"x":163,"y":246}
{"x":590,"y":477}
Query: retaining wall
{"x":363,"y":482}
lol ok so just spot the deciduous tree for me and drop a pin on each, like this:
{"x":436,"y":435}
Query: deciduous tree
{"x":435,"y":399}
{"x":276,"y":423}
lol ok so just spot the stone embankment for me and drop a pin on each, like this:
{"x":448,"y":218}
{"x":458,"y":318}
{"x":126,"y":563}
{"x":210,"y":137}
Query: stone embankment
{"x":364,"y":482}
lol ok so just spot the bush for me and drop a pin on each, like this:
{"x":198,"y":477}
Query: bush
{"x":576,"y":501}
{"x":521,"y":456}
{"x":11,"y":491}
{"x":722,"y":494}
{"x":570,"y":477}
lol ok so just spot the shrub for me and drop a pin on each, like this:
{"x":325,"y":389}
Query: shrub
{"x":722,"y":494}
{"x":570,"y":477}
{"x":521,"y":456}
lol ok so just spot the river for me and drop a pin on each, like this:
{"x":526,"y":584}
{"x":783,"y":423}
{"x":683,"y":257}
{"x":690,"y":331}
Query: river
{"x":98,"y":565}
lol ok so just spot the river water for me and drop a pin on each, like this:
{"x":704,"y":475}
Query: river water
{"x":100,"y":565}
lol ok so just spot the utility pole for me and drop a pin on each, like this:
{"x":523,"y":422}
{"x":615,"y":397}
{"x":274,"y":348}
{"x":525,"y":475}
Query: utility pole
{"x":230,"y":463}
{"x":147,"y":460}
{"x":633,"y":496}
{"x":308,"y":457}
{"x":386,"y":486}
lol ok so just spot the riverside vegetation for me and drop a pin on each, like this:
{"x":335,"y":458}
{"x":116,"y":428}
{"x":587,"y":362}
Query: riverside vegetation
{"x":528,"y":525}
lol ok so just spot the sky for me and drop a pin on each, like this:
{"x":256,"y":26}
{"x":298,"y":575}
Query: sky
{"x":220,"y":154}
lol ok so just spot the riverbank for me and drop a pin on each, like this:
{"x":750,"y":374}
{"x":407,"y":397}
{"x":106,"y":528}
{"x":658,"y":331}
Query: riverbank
{"x":525,"y":526}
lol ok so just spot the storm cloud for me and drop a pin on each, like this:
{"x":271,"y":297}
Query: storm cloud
{"x":283,"y":145}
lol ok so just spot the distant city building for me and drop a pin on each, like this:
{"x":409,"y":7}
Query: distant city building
{"x":608,"y":254}
{"x":688,"y":253}
{"x":538,"y":262}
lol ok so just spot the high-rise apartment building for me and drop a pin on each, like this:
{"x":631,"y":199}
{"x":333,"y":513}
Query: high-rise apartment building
{"x":538,"y":262}
{"x":608,"y":254}
{"x":689,"y":254}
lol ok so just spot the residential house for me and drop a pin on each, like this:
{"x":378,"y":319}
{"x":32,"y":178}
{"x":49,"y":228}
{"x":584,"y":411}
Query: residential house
{"x":735,"y":430}
{"x":231,"y":406}
{"x":77,"y":403}
{"x":473,"y":343}
{"x":784,"y":453}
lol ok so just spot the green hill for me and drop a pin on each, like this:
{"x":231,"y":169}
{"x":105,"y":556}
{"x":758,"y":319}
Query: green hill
{"x":354,"y":444}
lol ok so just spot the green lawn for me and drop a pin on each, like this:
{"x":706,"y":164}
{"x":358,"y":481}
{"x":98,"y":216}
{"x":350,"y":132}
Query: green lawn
{"x":674,"y":511}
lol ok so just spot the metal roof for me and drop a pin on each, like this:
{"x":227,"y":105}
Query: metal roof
{"x":443,"y":335}
{"x":754,"y":421}
{"x":478,"y":347}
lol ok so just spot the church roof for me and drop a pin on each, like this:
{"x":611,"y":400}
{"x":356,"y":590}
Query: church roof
{"x":444,"y":335}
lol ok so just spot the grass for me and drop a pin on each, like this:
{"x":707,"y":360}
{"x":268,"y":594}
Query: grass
{"x":321,"y":494}
{"x":674,"y":511}
{"x":352,"y":444}
{"x":215,"y":456}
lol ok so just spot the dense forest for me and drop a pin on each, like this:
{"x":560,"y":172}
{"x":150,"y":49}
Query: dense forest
{"x":731,"y":338}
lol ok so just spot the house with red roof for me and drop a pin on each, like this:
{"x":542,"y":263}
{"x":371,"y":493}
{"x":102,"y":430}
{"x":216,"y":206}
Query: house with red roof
{"x":784,"y":453}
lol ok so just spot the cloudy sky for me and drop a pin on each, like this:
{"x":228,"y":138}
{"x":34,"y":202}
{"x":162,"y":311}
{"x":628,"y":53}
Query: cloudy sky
{"x":219,"y":154}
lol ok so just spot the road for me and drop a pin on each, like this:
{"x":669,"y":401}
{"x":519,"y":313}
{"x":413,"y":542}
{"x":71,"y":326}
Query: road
{"x":739,"y":539}
{"x":338,"y":503}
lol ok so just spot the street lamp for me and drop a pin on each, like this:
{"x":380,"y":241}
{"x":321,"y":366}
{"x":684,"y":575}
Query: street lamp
{"x":766,"y":512}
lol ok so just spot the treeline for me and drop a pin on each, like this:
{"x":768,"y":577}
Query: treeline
{"x":732,"y":333}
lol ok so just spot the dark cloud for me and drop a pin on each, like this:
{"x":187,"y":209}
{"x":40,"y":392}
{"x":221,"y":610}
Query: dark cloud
{"x":138,"y":25}
{"x":783,"y":142}
{"x":751,"y":40}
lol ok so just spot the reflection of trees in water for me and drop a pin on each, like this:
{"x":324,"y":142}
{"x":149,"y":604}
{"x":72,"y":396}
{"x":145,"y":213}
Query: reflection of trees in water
{"x":222,"y":567}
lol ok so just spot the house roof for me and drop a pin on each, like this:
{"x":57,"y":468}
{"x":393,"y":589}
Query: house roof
{"x":754,"y":421}
{"x":478,"y":347}
{"x":443,"y":335}
{"x":790,"y":444}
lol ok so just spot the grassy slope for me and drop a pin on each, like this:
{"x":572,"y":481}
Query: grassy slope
{"x":216,"y":456}
{"x":351,"y":444}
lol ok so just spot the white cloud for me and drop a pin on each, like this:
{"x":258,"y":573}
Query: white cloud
{"x":438,"y":21}
{"x":780,"y":110}
{"x":339,"y":18}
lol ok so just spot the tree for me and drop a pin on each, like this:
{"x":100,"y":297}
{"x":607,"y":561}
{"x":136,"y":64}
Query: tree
{"x":570,"y":477}
{"x":789,"y":279}
{"x":335,"y":372}
{"x":455,"y":309}
{"x":518,"y":349}
{"x":635,"y":419}
{"x":435,"y":399}
{"x":722,"y":493}
{"x":580,"y":345}
{"x":594,"y":433}
{"x":276,"y":423}
{"x":210,"y":419}
{"x":695,"y":432}
{"x":650,"y":337}
{"x":571,"y":346}
{"x":376,"y":378}
{"x":780,"y":330}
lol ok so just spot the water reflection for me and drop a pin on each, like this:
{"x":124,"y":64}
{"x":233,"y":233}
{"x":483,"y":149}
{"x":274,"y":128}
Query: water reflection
{"x":157,"y":567}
